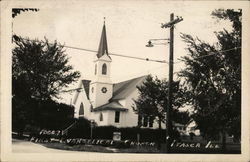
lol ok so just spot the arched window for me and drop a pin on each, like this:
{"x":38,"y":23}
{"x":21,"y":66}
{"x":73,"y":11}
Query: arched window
{"x":101,"y":117}
{"x":81,"y":110}
{"x":95,"y":69}
{"x":104,"y":69}
{"x":91,"y":108}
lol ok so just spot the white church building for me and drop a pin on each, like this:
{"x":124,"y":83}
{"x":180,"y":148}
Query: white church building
{"x":111,"y":104}
{"x":105,"y":102}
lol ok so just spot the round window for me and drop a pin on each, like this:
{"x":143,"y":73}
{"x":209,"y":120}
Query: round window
{"x":104,"y":89}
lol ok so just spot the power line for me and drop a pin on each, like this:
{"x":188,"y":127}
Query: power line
{"x":140,"y":58}
{"x":70,"y":90}
{"x":79,"y":89}
{"x":114,"y":54}
{"x":136,"y":74}
{"x":211,"y":54}
{"x":119,"y":55}
{"x":77,"y":48}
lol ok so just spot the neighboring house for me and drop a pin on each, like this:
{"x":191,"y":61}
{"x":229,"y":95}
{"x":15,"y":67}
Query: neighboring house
{"x":104,"y":102}
{"x":191,"y":127}
{"x":181,"y":128}
{"x":186,"y":129}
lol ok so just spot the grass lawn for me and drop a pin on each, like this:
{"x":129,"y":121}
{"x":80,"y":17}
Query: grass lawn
{"x":96,"y":148}
{"x":232,"y":148}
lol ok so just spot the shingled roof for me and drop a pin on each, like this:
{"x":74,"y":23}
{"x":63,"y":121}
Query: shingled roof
{"x":111,"y":106}
{"x":85,"y":83}
{"x":86,"y":87}
{"x":123,"y":89}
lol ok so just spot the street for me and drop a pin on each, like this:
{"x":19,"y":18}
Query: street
{"x":21,"y":146}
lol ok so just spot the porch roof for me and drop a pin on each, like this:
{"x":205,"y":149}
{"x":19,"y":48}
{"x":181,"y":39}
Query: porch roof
{"x":115,"y":106}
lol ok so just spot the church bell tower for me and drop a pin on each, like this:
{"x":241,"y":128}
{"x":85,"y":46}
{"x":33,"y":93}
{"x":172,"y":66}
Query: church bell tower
{"x":101,"y":87}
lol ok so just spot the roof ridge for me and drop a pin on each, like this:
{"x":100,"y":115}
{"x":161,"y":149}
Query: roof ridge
{"x":128,"y":82}
{"x":126,"y":85}
{"x":114,"y":105}
{"x":121,"y":88}
{"x":130,"y":79}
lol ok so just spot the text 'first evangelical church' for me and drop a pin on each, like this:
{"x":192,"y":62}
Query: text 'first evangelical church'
{"x":104,"y":102}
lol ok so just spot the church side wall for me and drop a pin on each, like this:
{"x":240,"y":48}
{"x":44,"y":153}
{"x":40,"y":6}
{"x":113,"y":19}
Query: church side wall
{"x":82,"y":98}
{"x":111,"y":119}
{"x":130,"y":119}
{"x":105,"y":117}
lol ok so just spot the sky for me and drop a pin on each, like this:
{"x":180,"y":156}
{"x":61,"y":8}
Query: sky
{"x":129,"y":26}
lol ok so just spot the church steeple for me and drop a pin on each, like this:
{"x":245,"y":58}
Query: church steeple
{"x":101,"y":86}
{"x":103,"y":46}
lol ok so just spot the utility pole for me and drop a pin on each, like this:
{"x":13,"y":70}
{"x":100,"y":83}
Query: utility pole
{"x":170,"y":93}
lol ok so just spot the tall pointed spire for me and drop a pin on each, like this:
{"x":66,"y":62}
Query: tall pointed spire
{"x":103,"y":46}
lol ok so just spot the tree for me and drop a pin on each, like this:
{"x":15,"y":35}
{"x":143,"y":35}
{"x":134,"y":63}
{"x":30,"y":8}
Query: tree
{"x":152,"y":101}
{"x":39,"y":71}
{"x":213,"y":79}
{"x":16,"y":11}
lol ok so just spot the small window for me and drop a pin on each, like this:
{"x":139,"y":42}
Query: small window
{"x":117,"y":116}
{"x":81,"y":110}
{"x":101,"y":117}
{"x":91,"y":108}
{"x":95,"y":69}
{"x":104,"y":69}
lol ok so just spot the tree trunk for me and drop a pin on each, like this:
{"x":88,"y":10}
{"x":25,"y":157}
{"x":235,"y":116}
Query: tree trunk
{"x":159,"y":136}
{"x":160,"y":124}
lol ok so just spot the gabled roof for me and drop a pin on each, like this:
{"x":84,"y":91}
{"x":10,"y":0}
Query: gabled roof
{"x":103,"y":45}
{"x":120,"y":90}
{"x":85,"y":84}
{"x":123,"y":89}
{"x":111,"y":106}
{"x":86,"y":87}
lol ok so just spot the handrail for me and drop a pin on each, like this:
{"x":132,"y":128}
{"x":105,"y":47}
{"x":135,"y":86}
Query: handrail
{"x":66,"y":130}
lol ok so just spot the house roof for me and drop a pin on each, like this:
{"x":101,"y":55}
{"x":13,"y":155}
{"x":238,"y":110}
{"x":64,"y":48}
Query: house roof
{"x":111,"y":106}
{"x":178,"y":125}
{"x":123,"y":89}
